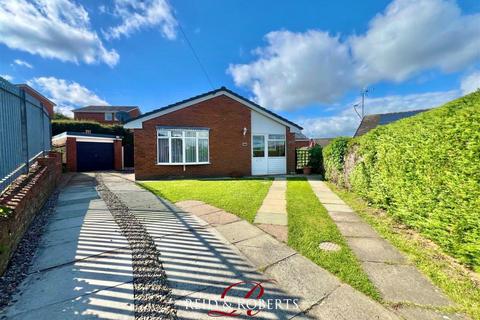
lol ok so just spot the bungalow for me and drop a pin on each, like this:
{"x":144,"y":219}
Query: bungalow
{"x":218,"y":133}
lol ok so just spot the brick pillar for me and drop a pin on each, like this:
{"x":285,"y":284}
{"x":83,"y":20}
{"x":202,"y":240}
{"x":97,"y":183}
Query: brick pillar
{"x":290,"y":151}
{"x":117,"y":155}
{"x":71,"y":150}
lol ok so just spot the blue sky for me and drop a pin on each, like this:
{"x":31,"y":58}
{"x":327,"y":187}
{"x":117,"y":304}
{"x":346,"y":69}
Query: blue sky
{"x":306,"y":60}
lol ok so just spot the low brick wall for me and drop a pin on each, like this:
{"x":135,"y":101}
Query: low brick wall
{"x":25,"y":197}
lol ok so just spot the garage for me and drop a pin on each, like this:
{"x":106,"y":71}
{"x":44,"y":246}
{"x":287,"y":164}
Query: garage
{"x":93,"y":156}
{"x":89,"y":152}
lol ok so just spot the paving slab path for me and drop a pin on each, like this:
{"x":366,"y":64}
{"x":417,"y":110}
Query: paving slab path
{"x":272,"y":216}
{"x":82,"y":268}
{"x":397,"y":280}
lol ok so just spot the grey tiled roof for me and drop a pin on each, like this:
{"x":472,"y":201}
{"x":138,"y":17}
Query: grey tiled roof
{"x":105,"y":108}
{"x":372,"y":121}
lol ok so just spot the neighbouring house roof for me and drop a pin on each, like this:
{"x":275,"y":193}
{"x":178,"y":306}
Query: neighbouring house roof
{"x":105,"y":109}
{"x":35,"y":92}
{"x":137,"y":122}
{"x":300,"y":137}
{"x":323,"y":141}
{"x":374,"y":120}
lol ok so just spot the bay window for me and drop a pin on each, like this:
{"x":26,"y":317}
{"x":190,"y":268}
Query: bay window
{"x":182,"y":146}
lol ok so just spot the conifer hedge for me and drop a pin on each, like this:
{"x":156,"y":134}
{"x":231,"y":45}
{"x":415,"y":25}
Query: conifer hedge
{"x":425,"y":171}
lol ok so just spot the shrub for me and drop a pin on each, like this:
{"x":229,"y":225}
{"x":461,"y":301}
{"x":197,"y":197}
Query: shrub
{"x":425,"y":171}
{"x":333,"y":159}
{"x":316,"y":159}
{"x":60,"y":126}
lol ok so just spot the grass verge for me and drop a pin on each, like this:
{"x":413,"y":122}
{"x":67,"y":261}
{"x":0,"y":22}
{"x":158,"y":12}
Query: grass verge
{"x":242,"y":197}
{"x":309,"y":224}
{"x":459,"y":283}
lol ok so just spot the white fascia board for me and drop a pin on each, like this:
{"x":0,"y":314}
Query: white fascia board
{"x":137,"y":124}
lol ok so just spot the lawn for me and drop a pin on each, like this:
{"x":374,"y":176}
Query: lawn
{"x":242,"y":197}
{"x":309,"y":224}
{"x":459,"y":283}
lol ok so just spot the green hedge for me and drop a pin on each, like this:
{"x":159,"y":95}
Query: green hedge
{"x":60,"y":126}
{"x":425,"y":171}
{"x":333,"y":159}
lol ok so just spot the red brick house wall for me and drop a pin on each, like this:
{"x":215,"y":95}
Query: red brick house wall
{"x":290,"y":151}
{"x":100,"y":116}
{"x":230,"y":150}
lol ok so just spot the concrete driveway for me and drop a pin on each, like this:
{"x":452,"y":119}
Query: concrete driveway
{"x":116,"y":251}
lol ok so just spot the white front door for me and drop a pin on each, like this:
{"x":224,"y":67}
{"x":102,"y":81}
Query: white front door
{"x":259,"y":154}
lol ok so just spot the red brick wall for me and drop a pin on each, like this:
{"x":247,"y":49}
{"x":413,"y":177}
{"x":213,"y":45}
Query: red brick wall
{"x":117,"y":155}
{"x":226,"y":119}
{"x":290,"y":152}
{"x":92,"y":116}
{"x":301,"y":144}
{"x":25,"y":197}
{"x":134,"y":113}
{"x":71,"y":150}
{"x":100,"y":116}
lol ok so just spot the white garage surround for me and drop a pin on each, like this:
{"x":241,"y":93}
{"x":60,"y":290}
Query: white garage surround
{"x":269,"y":145}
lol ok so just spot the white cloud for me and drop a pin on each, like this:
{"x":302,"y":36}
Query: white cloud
{"x":57,"y":29}
{"x":23,"y":63}
{"x":415,"y":35}
{"x":346,"y":121}
{"x":471,"y":83}
{"x":297,"y":69}
{"x":6,"y":77}
{"x":68,"y":95}
{"x":136,"y":15}
{"x":410,"y":36}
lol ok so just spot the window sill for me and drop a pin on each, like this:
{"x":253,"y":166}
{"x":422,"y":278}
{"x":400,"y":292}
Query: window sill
{"x":183,"y":164}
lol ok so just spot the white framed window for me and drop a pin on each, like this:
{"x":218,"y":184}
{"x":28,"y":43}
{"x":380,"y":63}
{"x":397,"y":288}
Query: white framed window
{"x":179,"y":146}
{"x":108,"y":116}
{"x":276,"y":145}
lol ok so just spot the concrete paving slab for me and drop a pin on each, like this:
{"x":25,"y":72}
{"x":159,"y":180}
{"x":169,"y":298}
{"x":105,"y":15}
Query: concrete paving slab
{"x":337,"y":207}
{"x":220,"y":218}
{"x":203,"y":209}
{"x":238,"y":231}
{"x":264,"y":250}
{"x":188,"y":203}
{"x":344,"y":216}
{"x":416,"y":313}
{"x":347,"y":303}
{"x":77,"y":221}
{"x":90,"y":193}
{"x":273,"y":208}
{"x":199,"y":304}
{"x":114,"y":303}
{"x":403,"y":283}
{"x":271,"y":218}
{"x":71,"y":281}
{"x":375,"y":250}
{"x":304,"y":279}
{"x":98,"y":231}
{"x":75,"y":213}
{"x":356,"y":229}
{"x":279,"y":232}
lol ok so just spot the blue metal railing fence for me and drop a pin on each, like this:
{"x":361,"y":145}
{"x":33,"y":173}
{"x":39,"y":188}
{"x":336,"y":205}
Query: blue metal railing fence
{"x":25,"y":132}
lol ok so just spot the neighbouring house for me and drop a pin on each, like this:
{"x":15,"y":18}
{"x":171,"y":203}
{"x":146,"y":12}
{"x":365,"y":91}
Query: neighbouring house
{"x":107,"y":114}
{"x":374,"y":120}
{"x":218,"y":133}
{"x":301,"y":140}
{"x":88,"y":151}
{"x":323,"y":142}
{"x":44,"y":101}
